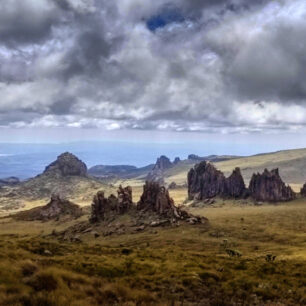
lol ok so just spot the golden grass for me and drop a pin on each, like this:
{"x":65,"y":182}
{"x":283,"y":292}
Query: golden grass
{"x":163,"y":266}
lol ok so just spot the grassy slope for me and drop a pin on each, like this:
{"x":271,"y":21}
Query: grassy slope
{"x":165,"y":266}
{"x":292,"y":165}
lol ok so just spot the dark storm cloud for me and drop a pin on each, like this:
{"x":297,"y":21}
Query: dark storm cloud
{"x":230,"y":66}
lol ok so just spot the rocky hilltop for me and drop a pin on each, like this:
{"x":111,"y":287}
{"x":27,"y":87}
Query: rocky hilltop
{"x":67,"y":164}
{"x":269,"y":186}
{"x":67,"y":176}
{"x":205,"y":181}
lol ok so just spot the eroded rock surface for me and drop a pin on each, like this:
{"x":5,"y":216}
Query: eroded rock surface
{"x":103,"y":208}
{"x":157,"y":173}
{"x":67,"y":164}
{"x":235,"y":185}
{"x":205,"y":181}
{"x":156,"y":198}
{"x":269,"y":186}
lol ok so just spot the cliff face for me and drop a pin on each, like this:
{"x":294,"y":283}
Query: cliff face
{"x":269,"y":186}
{"x":67,"y":164}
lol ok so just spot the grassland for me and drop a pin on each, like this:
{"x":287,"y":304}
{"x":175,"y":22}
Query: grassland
{"x":186,"y":265}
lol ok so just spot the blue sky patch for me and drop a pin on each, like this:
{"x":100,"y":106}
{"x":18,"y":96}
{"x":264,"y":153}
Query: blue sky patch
{"x":164,"y":18}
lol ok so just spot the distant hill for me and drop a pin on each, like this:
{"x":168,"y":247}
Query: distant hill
{"x":67,"y":175}
{"x":119,"y":171}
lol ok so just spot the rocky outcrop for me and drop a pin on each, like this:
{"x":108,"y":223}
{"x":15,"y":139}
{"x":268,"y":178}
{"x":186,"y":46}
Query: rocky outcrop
{"x":57,"y":208}
{"x":269,"y":186}
{"x":157,"y":173}
{"x":303,"y":190}
{"x":156,"y":198}
{"x":205,"y":181}
{"x":235,"y":186}
{"x":103,"y":208}
{"x":125,"y":199}
{"x":67,"y":164}
{"x":162,"y":163}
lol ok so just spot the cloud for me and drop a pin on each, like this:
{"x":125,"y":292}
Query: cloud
{"x":213,"y":66}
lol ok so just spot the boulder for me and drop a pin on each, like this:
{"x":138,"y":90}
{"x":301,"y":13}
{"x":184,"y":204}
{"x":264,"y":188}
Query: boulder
{"x":269,"y":186}
{"x":67,"y":164}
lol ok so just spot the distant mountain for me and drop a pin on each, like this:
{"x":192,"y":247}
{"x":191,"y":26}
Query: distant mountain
{"x":212,"y":158}
{"x":119,"y":171}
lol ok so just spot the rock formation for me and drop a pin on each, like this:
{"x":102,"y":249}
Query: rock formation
{"x":205,"y":181}
{"x":67,"y":164}
{"x":269,"y":186}
{"x":157,"y":173}
{"x":125,"y":199}
{"x":303,"y":190}
{"x":55,"y":209}
{"x":235,"y":186}
{"x":103,"y":208}
{"x":156,"y":198}
{"x":162,"y":163}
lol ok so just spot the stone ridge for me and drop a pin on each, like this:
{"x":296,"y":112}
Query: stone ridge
{"x":67,"y":164}
{"x":155,"y":202}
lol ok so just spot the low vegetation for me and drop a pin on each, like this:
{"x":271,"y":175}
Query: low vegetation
{"x":248,"y":255}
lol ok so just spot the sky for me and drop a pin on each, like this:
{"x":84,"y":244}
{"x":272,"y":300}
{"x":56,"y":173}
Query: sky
{"x":230,"y":71}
